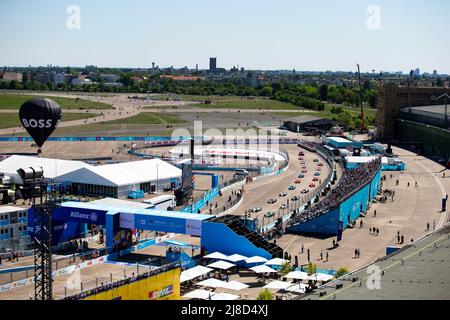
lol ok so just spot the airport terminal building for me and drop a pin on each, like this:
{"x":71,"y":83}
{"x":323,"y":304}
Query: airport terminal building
{"x":414,"y":116}
{"x":110,"y":180}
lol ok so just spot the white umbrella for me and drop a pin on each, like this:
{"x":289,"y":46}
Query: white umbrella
{"x":199,"y":294}
{"x":298,"y":275}
{"x":194,"y":273}
{"x":256,"y":259}
{"x":213,"y":283}
{"x":224,"y":296}
{"x":223,"y":265}
{"x":216,"y":255}
{"x":321,"y":277}
{"x":297,"y":288}
{"x":236,"y":285}
{"x":235,"y":258}
{"x":278,"y":285}
{"x":276,"y":262}
{"x":263,"y":269}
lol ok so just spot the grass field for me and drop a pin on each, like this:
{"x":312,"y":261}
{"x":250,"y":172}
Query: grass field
{"x":14,"y":101}
{"x":327,"y":113}
{"x":257,"y":104}
{"x":11,"y":120}
{"x":194,"y":98}
{"x":148,"y":118}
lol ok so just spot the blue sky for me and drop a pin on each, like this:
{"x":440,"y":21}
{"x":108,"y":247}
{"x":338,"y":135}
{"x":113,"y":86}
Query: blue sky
{"x":282,"y":34}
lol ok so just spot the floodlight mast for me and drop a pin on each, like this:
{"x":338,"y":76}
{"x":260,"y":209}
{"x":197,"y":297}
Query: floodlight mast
{"x":34,"y":186}
{"x":360,"y":98}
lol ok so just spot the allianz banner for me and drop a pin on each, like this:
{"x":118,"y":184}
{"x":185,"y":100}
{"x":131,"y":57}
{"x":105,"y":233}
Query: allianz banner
{"x":80,"y":215}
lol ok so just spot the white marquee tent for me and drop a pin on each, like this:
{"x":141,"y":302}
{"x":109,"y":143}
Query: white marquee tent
{"x":223,"y":265}
{"x":263,"y":269}
{"x":115,"y":180}
{"x":193,"y":273}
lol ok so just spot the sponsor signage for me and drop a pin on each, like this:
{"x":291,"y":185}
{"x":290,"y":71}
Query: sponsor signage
{"x":126,"y":220}
{"x":161,"y":223}
{"x":164,"y":292}
{"x":80,"y":215}
{"x":194,"y":227}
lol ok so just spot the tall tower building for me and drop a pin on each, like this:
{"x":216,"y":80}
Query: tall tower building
{"x":212,"y":64}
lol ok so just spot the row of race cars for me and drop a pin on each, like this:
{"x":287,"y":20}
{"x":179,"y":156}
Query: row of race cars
{"x":301,"y":176}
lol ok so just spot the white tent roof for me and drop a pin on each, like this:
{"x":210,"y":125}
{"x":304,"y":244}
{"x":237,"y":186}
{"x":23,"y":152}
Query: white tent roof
{"x":120,"y":174}
{"x":111,"y":202}
{"x":236,"y":285}
{"x":9,"y":209}
{"x":276,"y":262}
{"x":321,"y":277}
{"x":223,"y":265}
{"x":277,"y":284}
{"x":213,"y":283}
{"x":216,"y":255}
{"x":299,"y":275}
{"x":194,"y":273}
{"x":235,"y":258}
{"x":113,"y":175}
{"x":199,"y":294}
{"x":52,"y":167}
{"x":224,"y":296}
{"x":263,"y":269}
{"x":256,"y":259}
{"x":297,"y":288}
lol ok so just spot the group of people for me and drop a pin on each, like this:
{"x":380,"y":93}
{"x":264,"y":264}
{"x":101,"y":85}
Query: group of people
{"x":78,"y":245}
{"x":351,"y":181}
{"x":374,"y":231}
{"x":12,"y":257}
{"x":233,"y":198}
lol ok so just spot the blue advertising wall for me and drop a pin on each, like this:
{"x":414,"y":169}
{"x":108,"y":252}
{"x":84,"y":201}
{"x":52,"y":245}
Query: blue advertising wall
{"x":325,"y":224}
{"x":375,"y":185}
{"x":62,"y":231}
{"x":385,"y":167}
{"x":218,"y":237}
{"x":65,"y":231}
{"x":164,"y":224}
{"x":348,"y":211}
{"x":80,"y":215}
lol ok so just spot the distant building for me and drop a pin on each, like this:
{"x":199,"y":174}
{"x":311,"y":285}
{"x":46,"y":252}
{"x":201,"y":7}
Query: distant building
{"x":109,"y":77}
{"x":13,"y":229}
{"x":43,"y":77}
{"x":182,"y":78}
{"x":11,"y":76}
{"x":308,"y":124}
{"x":81,"y":81}
{"x":57,"y":77}
{"x":392,"y":98}
{"x":212,"y":64}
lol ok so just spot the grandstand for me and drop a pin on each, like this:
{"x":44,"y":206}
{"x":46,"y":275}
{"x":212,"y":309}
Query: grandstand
{"x":352,"y":182}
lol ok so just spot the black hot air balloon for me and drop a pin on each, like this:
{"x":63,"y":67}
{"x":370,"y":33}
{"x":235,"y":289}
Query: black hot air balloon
{"x":40,"y":117}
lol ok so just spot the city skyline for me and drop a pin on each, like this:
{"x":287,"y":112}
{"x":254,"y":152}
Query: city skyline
{"x":260,"y":35}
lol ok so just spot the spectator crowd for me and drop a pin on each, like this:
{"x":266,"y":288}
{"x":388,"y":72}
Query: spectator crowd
{"x":351,"y":181}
